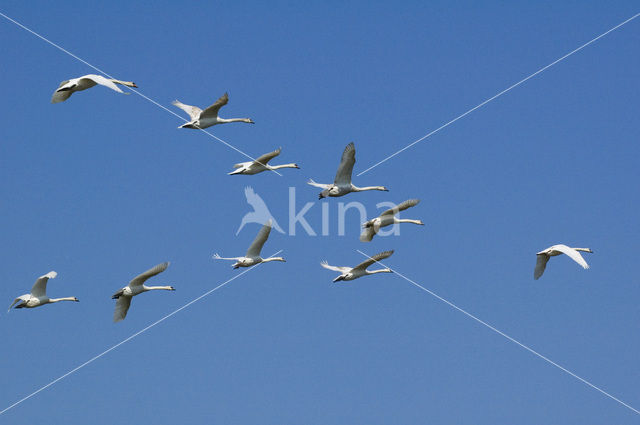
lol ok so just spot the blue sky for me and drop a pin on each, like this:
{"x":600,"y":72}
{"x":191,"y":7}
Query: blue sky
{"x":103,"y":186}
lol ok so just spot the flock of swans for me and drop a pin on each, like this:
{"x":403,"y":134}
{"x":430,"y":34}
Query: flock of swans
{"x":341,"y":186}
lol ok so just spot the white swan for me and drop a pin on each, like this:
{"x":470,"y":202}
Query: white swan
{"x":68,"y":87}
{"x":260,"y":164}
{"x":135,"y":287}
{"x":208,"y":117}
{"x":388,"y":218}
{"x":348,"y":273}
{"x":543,"y":256}
{"x":252,"y":257}
{"x":342,"y":183}
{"x":38,"y":294}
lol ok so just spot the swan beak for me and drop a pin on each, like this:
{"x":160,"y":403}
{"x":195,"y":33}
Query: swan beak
{"x":297,"y":166}
{"x":172,"y":289}
{"x":134,"y":85}
{"x":339,"y":278}
{"x":251,"y":121}
{"x":76,"y":300}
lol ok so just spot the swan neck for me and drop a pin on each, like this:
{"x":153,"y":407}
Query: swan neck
{"x":360,"y":189}
{"x":408,"y":220}
{"x":151,"y":288}
{"x":380,"y":271}
{"x":266,"y":260}
{"x":55,"y":300}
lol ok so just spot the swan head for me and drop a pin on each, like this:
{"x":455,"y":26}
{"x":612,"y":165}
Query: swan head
{"x":76,"y":299}
{"x":249,"y":121}
{"x":339,"y":278}
{"x":171,"y":288}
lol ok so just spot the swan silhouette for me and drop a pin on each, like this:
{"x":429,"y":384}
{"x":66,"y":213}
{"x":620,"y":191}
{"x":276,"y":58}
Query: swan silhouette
{"x":260,"y":213}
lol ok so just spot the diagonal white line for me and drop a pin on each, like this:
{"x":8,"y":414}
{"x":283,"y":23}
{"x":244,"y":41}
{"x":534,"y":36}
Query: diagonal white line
{"x":499,"y":332}
{"x":91,"y":360}
{"x":133,"y":90}
{"x":501,"y":93}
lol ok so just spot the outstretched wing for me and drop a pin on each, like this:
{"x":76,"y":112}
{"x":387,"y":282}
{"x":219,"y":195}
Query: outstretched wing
{"x":575,"y":255}
{"x":122,"y":307}
{"x":335,"y":268}
{"x":367,"y":234}
{"x":39,"y":288}
{"x":373,"y":259}
{"x":264,"y":159}
{"x":320,"y":185}
{"x":541,"y":264}
{"x":343,"y":176}
{"x":61,"y":96}
{"x":193,"y":111}
{"x":141,"y":278}
{"x":24,"y":298}
{"x":99,"y":79}
{"x":212,"y":111}
{"x":401,"y":207}
{"x":258,"y":242}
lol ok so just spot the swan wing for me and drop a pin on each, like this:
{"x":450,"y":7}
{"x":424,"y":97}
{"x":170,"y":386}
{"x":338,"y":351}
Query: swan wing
{"x":212,"y":111}
{"x":39,"y":288}
{"x":401,"y":207}
{"x":345,"y":169}
{"x":373,"y":259}
{"x":335,"y":268}
{"x":541,"y":264}
{"x":122,"y":307}
{"x":258,"y":242}
{"x":141,"y":278}
{"x":24,"y":298}
{"x":320,"y":185}
{"x":575,"y":255}
{"x":99,"y":79}
{"x":61,"y":96}
{"x":367,"y":234}
{"x":264,"y":159}
{"x":193,"y":111}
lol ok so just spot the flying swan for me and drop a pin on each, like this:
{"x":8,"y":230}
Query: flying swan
{"x":348,"y":273}
{"x":252,"y":257}
{"x":260,"y":164}
{"x":68,"y":87}
{"x":135,"y":287}
{"x":38,"y":294}
{"x":543,"y":257}
{"x":388,"y":218}
{"x":208,"y":117}
{"x":342,"y":183}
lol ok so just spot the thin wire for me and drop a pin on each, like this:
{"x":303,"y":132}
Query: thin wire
{"x":501,"y":93}
{"x":129,"y":338}
{"x":499,"y":332}
{"x":133,"y":90}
